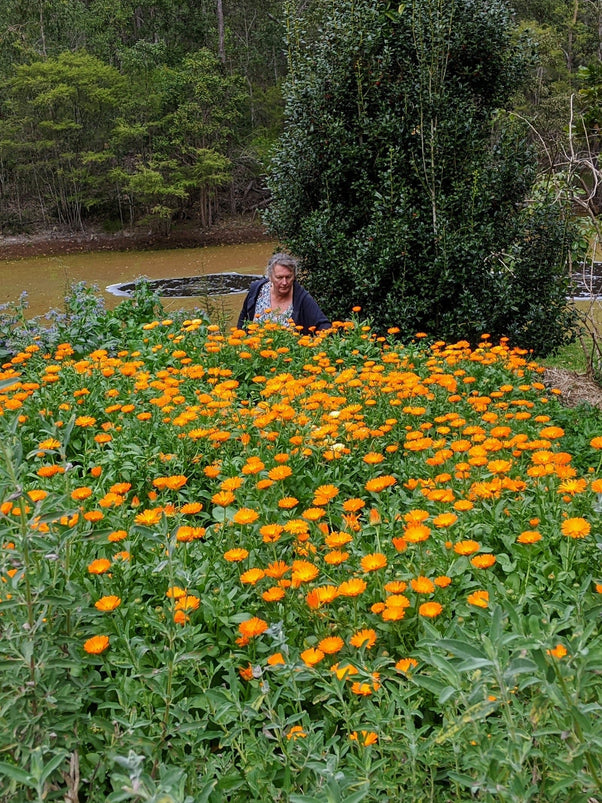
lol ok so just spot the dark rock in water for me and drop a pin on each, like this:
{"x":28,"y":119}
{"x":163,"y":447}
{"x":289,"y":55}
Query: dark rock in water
{"x":213,"y":284}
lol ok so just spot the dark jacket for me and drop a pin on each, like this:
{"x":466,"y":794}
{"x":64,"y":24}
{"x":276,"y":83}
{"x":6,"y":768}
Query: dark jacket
{"x":306,"y":312}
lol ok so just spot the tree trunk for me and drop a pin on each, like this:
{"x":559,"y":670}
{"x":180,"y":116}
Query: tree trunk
{"x":221,"y":48}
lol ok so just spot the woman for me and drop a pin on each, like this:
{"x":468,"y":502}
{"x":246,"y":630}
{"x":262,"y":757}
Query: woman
{"x":279,"y":297}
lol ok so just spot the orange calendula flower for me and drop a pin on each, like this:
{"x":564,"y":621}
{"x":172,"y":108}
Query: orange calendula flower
{"x":478,"y":598}
{"x":235,"y":555}
{"x":96,"y":645}
{"x":253,"y":627}
{"x":343,"y":671}
{"x":303,"y":572}
{"x":312,"y":656}
{"x":108,"y":603}
{"x":99,"y":566}
{"x":430,"y":609}
{"x":416,"y":533}
{"x":352,"y":588}
{"x":188,"y":602}
{"x":271,"y":532}
{"x":331,"y":645}
{"x":378,"y":484}
{"x":277,"y":569}
{"x":280,"y":472}
{"x":367,"y":737}
{"x":288,"y":502}
{"x":175,"y":592}
{"x":223,"y":498}
{"x":483,"y":561}
{"x":85,"y":421}
{"x":529,"y":537}
{"x":596,"y":443}
{"x":353,"y":505}
{"x":117,"y":535}
{"x":321,"y":596}
{"x":149,"y":517}
{"x":79,"y":494}
{"x":404,"y":665}
{"x":363,"y":638}
{"x":445,"y":520}
{"x":422,"y":585}
{"x":395,"y":587}
{"x":245,"y":515}
{"x":296,"y":732}
{"x":373,"y":458}
{"x":273,"y":594}
{"x":313,"y":513}
{"x":575,"y":528}
{"x":467,"y":547}
{"x":559,"y":651}
{"x":277,"y":659}
{"x":252,"y":576}
{"x":374,"y":561}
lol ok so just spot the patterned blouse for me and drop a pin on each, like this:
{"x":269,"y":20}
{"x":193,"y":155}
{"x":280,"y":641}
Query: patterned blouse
{"x":263,"y":307}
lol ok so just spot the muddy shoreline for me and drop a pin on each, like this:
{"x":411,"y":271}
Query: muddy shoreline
{"x":61,"y":241}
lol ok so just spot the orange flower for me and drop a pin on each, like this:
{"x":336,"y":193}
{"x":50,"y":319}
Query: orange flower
{"x":99,"y":566}
{"x":321,"y":596}
{"x":442,"y":581}
{"x":372,"y":458}
{"x":85,"y":421}
{"x":430,"y":609}
{"x":445,"y":520}
{"x":596,"y":443}
{"x":422,"y":585}
{"x":288,"y":502}
{"x":175,"y":592}
{"x":252,"y":576}
{"x":277,"y":569}
{"x":223,"y":498}
{"x":363,"y":638}
{"x":273,"y":594}
{"x":117,"y":535}
{"x":344,"y":671}
{"x":478,"y":598}
{"x":271,"y":532}
{"x":245,"y":515}
{"x":246,"y":672}
{"x":404,"y":665}
{"x":331,"y":645}
{"x":485,"y":561}
{"x":253,"y":627}
{"x":378,"y":484}
{"x":296,"y":732}
{"x":325,"y":493}
{"x":280,"y":472}
{"x":374,"y":561}
{"x":467,"y":547}
{"x":368,"y":737}
{"x":235,"y":555}
{"x":336,"y":557}
{"x":575,"y":528}
{"x":353,"y":505}
{"x":313,"y":513}
{"x":415,"y":533}
{"x":395,"y":587}
{"x":79,"y":494}
{"x":96,"y":645}
{"x":529,"y":537}
{"x":149,"y":517}
{"x":188,"y":602}
{"x":108,"y":603}
{"x":303,"y":572}
{"x":312,"y":656}
{"x":352,"y":588}
{"x":559,"y":651}
{"x":277,"y":659}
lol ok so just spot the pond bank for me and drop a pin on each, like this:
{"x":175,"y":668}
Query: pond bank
{"x":57,"y":241}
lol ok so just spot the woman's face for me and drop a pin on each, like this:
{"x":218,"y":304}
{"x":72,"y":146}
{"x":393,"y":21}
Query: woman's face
{"x":282,"y":278}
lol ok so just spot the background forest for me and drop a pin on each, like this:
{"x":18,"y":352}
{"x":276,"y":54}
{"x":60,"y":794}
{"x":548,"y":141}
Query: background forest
{"x":148,"y":112}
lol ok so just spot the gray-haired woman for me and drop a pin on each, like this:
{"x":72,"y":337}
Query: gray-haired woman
{"x":279,"y":297}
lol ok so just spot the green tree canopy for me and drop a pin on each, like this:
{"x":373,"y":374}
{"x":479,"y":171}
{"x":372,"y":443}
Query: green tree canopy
{"x":404,"y":188}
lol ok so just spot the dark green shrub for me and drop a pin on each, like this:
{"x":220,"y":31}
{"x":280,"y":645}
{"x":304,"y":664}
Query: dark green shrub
{"x":405,"y":189}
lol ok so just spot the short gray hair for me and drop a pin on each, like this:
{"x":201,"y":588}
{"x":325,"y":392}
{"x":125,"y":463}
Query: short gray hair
{"x":285,"y":261}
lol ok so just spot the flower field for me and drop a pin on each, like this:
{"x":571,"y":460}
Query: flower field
{"x":260,"y":566}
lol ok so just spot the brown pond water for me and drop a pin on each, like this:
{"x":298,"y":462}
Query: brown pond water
{"x":47,"y":279}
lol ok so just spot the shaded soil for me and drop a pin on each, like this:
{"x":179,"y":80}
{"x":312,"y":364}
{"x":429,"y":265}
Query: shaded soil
{"x":61,"y":241}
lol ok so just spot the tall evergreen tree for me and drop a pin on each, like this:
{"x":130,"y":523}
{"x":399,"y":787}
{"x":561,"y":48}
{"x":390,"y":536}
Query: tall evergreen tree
{"x":401,"y":184}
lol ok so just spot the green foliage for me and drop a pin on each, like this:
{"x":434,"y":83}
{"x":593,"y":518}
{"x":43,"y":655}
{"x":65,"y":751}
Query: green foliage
{"x":144,"y":457}
{"x":402,"y":187}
